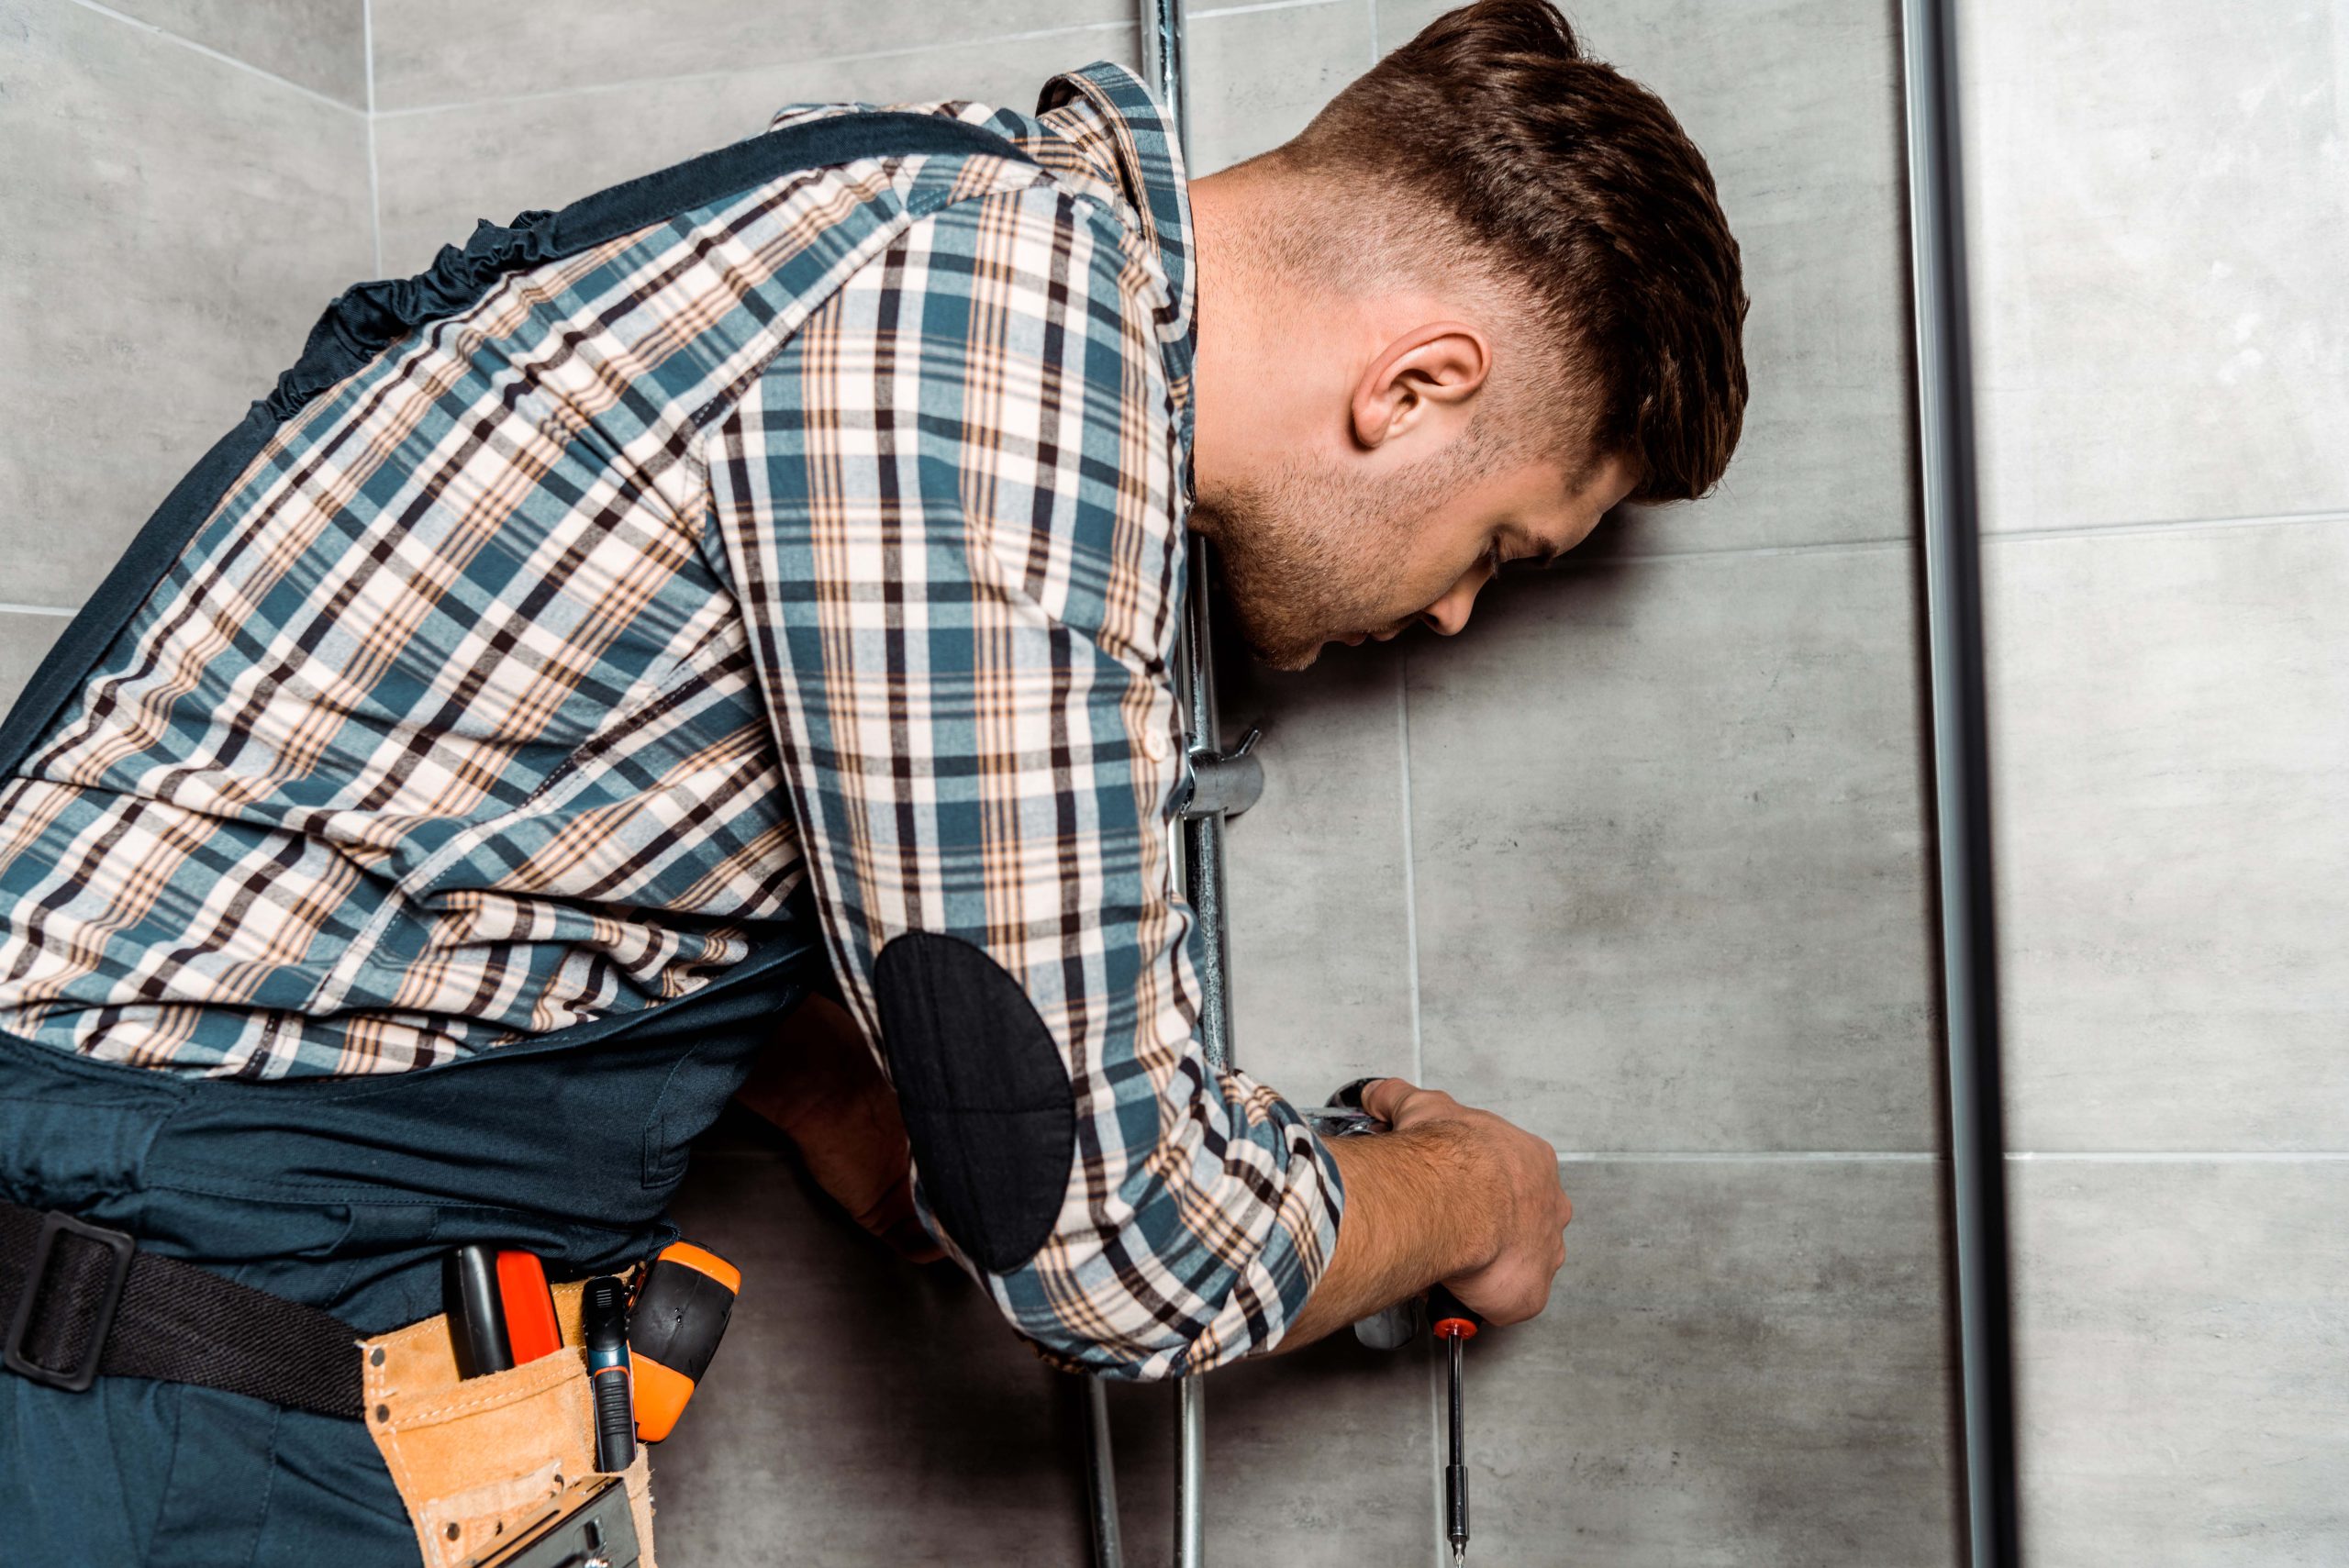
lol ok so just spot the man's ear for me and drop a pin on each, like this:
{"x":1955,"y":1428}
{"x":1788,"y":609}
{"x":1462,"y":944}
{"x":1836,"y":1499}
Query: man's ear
{"x":1426,"y":370}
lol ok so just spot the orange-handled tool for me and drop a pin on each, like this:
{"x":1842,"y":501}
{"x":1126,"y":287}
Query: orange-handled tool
{"x":673,"y":1330}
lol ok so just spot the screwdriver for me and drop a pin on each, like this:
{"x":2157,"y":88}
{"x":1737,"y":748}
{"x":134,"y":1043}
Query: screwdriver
{"x":1455,"y":1325}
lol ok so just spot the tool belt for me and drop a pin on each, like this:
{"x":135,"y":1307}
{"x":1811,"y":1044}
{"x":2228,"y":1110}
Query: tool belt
{"x":480,"y":1462}
{"x":83,"y":1300}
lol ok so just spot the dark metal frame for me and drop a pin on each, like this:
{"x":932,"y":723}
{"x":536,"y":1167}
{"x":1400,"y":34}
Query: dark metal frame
{"x":1960,"y":777}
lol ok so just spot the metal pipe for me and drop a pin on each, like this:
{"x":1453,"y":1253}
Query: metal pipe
{"x":1203,"y":840}
{"x":1100,"y":1478}
{"x":1190,"y":1472}
{"x":1200,"y":838}
{"x":1163,"y":34}
{"x":1202,"y":834}
{"x":1961,"y":776}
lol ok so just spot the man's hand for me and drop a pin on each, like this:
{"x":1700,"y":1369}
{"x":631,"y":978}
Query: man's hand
{"x":1453,"y":1195}
{"x":819,"y":1083}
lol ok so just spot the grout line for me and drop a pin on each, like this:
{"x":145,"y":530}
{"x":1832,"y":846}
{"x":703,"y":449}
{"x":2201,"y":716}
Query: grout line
{"x":2185,"y":1157}
{"x":374,"y":174}
{"x":1575,"y":560}
{"x":1439,"y":1446}
{"x":2163,"y":525}
{"x":1259,"y":5}
{"x":1807,"y":1156}
{"x":1823,"y":1157}
{"x":1410,"y":858}
{"x":39,"y":610}
{"x":1732,"y":1157}
{"x":1831,"y":1156}
{"x":636,"y":82}
{"x":211,"y":53}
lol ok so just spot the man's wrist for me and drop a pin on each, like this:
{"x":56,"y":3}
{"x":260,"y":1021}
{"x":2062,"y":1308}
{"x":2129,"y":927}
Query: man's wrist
{"x":1422,"y":1206}
{"x":1467,"y":1187}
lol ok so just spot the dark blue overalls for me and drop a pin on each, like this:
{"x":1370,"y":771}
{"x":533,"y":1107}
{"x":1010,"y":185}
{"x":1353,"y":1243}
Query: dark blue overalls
{"x":345,"y":1193}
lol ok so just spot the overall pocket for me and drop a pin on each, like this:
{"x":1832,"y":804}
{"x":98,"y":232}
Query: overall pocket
{"x":482,"y":1461}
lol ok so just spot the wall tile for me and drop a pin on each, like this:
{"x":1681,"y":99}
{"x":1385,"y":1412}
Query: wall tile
{"x":1257,"y":76}
{"x":862,"y":1410}
{"x":1320,"y":1458}
{"x":175,"y":227}
{"x":1744,"y":1363}
{"x":461,"y":51}
{"x":1670,"y":856}
{"x":2158,"y":200}
{"x":2170,"y":729}
{"x":1322,"y":978}
{"x":321,"y":46}
{"x":1796,"y":107}
{"x":2182,"y":1362}
{"x":24,"y":642}
{"x":440,"y":171}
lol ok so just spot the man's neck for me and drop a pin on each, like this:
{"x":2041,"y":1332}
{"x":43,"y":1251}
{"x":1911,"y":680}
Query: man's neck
{"x":1258,"y":332}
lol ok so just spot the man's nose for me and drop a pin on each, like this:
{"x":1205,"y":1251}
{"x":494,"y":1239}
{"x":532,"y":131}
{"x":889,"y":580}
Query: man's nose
{"x":1449,"y":614}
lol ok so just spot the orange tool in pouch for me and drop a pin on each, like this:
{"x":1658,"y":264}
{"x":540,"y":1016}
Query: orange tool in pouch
{"x":680,"y":1315}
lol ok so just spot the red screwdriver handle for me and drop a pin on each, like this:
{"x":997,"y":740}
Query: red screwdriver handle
{"x":1449,"y":1317}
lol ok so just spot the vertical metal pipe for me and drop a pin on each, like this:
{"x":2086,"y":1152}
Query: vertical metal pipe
{"x":1961,"y":775}
{"x":1100,"y":1476}
{"x":1201,"y":841}
{"x":1190,"y":1472}
{"x":1163,"y":36}
{"x":1202,"y":837}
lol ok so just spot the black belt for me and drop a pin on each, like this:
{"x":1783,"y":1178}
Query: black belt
{"x":84,"y":1301}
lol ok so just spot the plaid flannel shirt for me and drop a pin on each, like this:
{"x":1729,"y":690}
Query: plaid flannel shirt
{"x":832,"y":530}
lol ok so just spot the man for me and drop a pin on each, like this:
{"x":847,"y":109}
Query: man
{"x":729,"y":590}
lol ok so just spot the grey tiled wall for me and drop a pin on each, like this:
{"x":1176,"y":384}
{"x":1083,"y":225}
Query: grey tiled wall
{"x":180,"y":201}
{"x":1652,"y":833}
{"x":1640,"y":860}
{"x":2159,"y":201}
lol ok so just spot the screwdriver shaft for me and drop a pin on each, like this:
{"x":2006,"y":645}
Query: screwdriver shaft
{"x":1456,"y":1473}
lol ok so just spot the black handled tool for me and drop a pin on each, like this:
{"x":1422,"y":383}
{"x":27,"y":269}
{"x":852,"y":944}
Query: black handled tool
{"x":1455,"y":1325}
{"x":603,"y":1331}
{"x":476,"y":1313}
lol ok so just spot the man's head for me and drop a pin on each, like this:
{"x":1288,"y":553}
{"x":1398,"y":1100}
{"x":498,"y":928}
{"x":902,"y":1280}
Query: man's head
{"x":1484,"y":296}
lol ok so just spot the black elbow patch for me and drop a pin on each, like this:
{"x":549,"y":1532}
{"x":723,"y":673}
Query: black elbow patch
{"x":986,"y":1098}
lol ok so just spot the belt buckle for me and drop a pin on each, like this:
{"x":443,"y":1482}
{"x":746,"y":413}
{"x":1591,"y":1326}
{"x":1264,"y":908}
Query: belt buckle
{"x":73,"y":1380}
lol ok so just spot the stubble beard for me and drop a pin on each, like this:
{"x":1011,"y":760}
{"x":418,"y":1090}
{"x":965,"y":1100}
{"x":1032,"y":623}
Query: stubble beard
{"x":1304,"y":559}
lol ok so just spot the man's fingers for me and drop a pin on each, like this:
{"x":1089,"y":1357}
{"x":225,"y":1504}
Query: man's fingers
{"x":1384,"y":1098}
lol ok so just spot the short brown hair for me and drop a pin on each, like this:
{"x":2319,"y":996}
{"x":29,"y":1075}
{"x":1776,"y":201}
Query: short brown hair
{"x":1581,"y":184}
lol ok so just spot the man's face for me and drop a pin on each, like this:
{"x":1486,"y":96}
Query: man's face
{"x":1318,"y":554}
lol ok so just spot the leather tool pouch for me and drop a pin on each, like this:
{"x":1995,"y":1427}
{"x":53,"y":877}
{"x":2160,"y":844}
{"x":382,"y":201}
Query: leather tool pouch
{"x":482,"y":1461}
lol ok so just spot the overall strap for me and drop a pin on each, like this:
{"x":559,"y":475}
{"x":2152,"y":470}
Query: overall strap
{"x":368,"y":317}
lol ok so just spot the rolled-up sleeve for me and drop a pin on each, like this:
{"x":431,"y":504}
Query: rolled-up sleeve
{"x":949,"y":507}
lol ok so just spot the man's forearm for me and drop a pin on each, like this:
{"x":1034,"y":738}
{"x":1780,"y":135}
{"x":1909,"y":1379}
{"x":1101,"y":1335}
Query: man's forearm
{"x":1452,"y":1195}
{"x":1395,"y":1237}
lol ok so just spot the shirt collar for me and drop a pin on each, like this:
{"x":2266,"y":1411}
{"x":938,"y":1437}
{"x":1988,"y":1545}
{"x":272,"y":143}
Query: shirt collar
{"x":1111,"y":119}
{"x":1100,"y":132}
